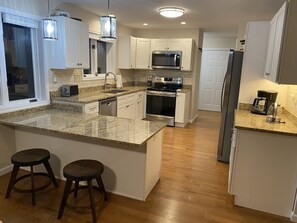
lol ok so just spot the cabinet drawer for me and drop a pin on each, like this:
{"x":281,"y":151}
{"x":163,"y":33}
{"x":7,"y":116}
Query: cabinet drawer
{"x":91,"y":108}
{"x":126,"y":99}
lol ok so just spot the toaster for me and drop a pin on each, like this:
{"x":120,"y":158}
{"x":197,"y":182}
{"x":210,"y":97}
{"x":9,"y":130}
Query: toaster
{"x":69,"y":90}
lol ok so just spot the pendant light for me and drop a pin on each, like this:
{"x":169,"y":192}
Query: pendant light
{"x":49,"y":27}
{"x":108,"y":26}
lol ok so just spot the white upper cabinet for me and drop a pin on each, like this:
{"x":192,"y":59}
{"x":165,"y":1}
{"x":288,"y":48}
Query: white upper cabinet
{"x":127,"y":52}
{"x":187,"y":55}
{"x":143,"y":53}
{"x":71,"y":50}
{"x":281,"y":63}
{"x":167,"y":44}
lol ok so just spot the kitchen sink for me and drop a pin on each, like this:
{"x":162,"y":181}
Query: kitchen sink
{"x":114,"y":91}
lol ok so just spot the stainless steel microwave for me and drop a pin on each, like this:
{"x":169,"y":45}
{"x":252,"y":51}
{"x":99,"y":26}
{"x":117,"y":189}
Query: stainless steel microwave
{"x":166,"y":59}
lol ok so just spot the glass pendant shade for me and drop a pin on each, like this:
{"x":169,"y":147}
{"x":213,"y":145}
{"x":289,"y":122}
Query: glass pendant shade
{"x":108,"y":27}
{"x":49,"y":29}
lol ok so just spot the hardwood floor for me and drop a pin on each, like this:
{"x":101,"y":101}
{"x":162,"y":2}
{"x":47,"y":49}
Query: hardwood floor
{"x":192,"y":189}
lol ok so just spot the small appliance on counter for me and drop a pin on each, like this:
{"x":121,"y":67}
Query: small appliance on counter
{"x":264,"y":100}
{"x":150,"y":80}
{"x":69,"y":90}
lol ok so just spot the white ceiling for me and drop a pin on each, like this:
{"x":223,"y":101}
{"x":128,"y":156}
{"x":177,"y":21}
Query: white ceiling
{"x":206,"y":14}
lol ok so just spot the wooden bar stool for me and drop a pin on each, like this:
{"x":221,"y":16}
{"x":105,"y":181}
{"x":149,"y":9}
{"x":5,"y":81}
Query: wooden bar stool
{"x":82,"y":170}
{"x":30,"y":158}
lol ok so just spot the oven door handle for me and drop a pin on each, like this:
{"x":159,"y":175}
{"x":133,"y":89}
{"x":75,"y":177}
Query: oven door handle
{"x":161,"y":93}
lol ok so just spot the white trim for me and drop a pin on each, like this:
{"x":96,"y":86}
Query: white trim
{"x":193,"y":119}
{"x":6,"y":170}
{"x":19,"y":13}
{"x":293,"y":217}
{"x":215,"y":34}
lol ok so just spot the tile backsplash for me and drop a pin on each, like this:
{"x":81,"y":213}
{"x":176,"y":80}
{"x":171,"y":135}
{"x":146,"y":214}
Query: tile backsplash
{"x":291,"y":103}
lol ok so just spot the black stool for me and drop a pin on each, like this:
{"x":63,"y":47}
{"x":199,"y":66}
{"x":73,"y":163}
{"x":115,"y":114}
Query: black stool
{"x":82,"y":170}
{"x":25,"y":158}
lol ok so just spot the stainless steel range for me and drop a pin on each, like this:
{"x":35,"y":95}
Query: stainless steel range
{"x":161,"y":99}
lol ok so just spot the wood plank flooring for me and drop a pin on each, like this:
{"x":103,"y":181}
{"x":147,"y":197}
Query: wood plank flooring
{"x":192,"y":189}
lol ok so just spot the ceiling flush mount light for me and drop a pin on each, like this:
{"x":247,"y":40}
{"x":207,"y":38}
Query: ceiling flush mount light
{"x":171,"y":12}
{"x":49,"y":27}
{"x":108,"y":26}
{"x":183,"y":23}
{"x":145,"y":24}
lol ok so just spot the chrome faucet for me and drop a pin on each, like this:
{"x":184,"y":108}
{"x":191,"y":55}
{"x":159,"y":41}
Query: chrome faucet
{"x":105,"y":81}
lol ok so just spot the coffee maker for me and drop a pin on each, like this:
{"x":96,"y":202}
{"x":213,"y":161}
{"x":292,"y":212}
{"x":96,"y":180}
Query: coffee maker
{"x":263,"y":102}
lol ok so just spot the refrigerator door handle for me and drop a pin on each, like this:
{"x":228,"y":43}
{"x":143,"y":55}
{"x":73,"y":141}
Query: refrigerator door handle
{"x":223,"y":90}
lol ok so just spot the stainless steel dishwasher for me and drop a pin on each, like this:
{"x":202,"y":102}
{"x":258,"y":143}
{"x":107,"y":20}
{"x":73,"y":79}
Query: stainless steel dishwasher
{"x":108,"y":107}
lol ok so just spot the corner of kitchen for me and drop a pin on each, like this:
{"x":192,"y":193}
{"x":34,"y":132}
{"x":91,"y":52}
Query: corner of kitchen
{"x":147,"y":122}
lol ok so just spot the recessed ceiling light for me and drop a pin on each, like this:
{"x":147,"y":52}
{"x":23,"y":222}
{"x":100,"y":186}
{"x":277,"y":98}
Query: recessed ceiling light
{"x":145,"y":24}
{"x":171,"y":12}
{"x":183,"y":23}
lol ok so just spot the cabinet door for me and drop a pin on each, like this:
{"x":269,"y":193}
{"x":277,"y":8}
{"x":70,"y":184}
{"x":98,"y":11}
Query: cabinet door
{"x":274,"y":45}
{"x":175,"y":44}
{"x":143,"y":47}
{"x":84,"y":46}
{"x":140,"y":105}
{"x":180,"y":107}
{"x":159,"y":44}
{"x":72,"y":40}
{"x":127,"y":111}
{"x":132,"y":58}
{"x":187,"y":55}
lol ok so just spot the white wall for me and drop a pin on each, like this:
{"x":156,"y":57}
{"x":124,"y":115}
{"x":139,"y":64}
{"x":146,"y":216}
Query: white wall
{"x":254,"y":65}
{"x":219,"y":40}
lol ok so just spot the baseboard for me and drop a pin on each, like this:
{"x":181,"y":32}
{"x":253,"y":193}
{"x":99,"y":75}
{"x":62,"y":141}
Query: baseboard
{"x":193,"y":119}
{"x":6,"y":170}
{"x":293,"y":217}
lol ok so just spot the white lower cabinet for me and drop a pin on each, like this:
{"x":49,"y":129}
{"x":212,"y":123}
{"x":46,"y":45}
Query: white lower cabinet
{"x":182,"y":109}
{"x":126,"y":106}
{"x":140,"y":105}
{"x":263,"y":171}
{"x":91,"y":108}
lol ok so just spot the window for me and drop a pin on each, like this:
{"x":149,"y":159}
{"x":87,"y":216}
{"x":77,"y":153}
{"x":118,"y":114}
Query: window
{"x":101,"y":59}
{"x":20,"y":78}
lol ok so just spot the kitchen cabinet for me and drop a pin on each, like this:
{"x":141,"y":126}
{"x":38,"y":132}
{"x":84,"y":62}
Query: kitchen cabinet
{"x":127,"y":52}
{"x":143,"y":53}
{"x":140,"y":105}
{"x":182,"y":109}
{"x":91,"y":108}
{"x":263,"y":172}
{"x":71,"y":50}
{"x":187,"y":55}
{"x":167,"y":44}
{"x":281,"y":64}
{"x":126,"y":106}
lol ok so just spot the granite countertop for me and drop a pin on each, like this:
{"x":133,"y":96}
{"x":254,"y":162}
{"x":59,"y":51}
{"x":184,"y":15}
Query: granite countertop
{"x":93,"y":96}
{"x":244,"y":119}
{"x":97,"y":127}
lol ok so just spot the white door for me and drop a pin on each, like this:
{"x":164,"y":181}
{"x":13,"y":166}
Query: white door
{"x":213,"y":69}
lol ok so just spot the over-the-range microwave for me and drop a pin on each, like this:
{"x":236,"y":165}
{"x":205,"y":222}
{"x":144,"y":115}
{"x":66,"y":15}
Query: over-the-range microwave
{"x":166,"y":59}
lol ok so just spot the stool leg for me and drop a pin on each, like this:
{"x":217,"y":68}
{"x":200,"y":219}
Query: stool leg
{"x":101,"y":186}
{"x":64,"y":198}
{"x":12,"y":179}
{"x":50,"y":173}
{"x":90,"y":187}
{"x":76,"y":188}
{"x":32,"y":185}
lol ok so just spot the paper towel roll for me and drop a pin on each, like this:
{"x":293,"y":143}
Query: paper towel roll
{"x":119,"y":83}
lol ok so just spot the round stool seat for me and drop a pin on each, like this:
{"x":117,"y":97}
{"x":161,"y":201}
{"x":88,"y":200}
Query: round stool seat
{"x":83,"y":170}
{"x":30,"y":157}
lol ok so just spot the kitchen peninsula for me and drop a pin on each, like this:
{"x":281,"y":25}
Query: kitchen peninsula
{"x":130,"y":149}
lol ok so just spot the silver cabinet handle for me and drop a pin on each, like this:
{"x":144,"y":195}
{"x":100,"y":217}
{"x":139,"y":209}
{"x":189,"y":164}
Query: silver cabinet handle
{"x":267,"y":74}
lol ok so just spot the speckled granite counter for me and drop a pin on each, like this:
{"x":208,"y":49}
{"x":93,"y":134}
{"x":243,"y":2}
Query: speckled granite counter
{"x":244,"y":119}
{"x":101,"y":128}
{"x":93,"y":96}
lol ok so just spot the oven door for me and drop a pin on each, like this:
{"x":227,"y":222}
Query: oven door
{"x":161,"y":106}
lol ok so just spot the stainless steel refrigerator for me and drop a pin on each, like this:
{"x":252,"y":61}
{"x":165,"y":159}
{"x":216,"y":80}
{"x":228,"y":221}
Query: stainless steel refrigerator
{"x":229,"y":100}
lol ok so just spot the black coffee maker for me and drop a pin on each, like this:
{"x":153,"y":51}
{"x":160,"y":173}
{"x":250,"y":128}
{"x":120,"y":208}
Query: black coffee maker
{"x":263,"y":102}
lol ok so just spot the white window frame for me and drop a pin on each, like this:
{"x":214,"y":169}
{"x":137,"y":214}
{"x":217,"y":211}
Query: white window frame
{"x":110,"y":59}
{"x":40,"y":77}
